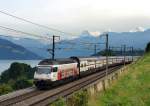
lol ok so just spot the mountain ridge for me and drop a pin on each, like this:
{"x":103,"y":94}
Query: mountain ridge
{"x":78,"y":46}
{"x":9,"y":50}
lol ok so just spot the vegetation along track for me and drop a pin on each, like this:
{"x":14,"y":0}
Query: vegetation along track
{"x":49,"y":96}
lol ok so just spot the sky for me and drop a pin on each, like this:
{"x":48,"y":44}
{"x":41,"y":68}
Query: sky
{"x":75,"y":16}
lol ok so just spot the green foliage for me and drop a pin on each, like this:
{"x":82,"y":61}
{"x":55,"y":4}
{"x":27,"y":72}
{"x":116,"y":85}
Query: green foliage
{"x":17,"y":71}
{"x":21,"y":83}
{"x":78,"y":99}
{"x":132,"y":89}
{"x":4,"y":89}
{"x":59,"y":102}
{"x":4,"y":76}
{"x":18,"y":76}
{"x":103,"y":53}
{"x":30,"y":72}
{"x":147,"y":49}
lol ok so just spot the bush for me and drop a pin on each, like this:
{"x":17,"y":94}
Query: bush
{"x":4,"y":76}
{"x":103,"y":53}
{"x":22,"y":83}
{"x":78,"y":99}
{"x":18,"y":76}
{"x":17,"y":71}
{"x":147,"y":49}
{"x":4,"y":89}
{"x":59,"y":102}
{"x":30,"y":72}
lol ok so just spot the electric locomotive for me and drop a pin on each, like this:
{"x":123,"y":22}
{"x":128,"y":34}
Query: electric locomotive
{"x":53,"y":72}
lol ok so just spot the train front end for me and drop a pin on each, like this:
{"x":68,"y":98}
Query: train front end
{"x":45,"y":75}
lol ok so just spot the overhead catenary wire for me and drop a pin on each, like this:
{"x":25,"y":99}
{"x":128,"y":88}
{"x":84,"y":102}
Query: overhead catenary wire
{"x":26,"y":33}
{"x":81,"y":43}
{"x":42,"y":48}
{"x":39,"y":25}
{"x":66,"y":48}
{"x":35,"y":35}
{"x":6,"y":36}
{"x":46,"y":27}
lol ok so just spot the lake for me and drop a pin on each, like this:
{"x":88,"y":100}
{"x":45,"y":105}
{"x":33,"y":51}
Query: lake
{"x":5,"y":64}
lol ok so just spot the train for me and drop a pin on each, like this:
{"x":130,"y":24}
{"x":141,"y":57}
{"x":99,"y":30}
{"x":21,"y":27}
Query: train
{"x":54,"y":72}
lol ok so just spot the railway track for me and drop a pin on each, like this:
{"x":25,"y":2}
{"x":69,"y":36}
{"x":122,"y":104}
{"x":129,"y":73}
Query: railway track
{"x":10,"y":99}
{"x":43,"y":98}
{"x":69,"y":90}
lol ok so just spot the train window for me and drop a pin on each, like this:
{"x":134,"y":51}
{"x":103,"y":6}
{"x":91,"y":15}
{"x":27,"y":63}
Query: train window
{"x":43,"y":70}
{"x":55,"y":69}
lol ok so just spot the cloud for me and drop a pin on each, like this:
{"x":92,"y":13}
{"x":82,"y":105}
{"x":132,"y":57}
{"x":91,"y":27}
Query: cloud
{"x":95,"y":33}
{"x":138,"y":29}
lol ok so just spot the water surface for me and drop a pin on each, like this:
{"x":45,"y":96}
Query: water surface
{"x":5,"y":64}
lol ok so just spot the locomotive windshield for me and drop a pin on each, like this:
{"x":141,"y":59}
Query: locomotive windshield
{"x":44,"y":70}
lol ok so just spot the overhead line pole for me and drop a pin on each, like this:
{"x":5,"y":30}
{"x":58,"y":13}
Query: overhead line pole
{"x":52,"y":51}
{"x":95,"y":49}
{"x":124,"y":47}
{"x":132,"y":53}
{"x":106,"y":54}
{"x":106,"y":51}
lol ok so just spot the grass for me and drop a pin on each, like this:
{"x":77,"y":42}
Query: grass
{"x":132,"y":88}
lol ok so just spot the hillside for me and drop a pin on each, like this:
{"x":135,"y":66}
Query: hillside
{"x":131,"y":39}
{"x":34,"y":45}
{"x":78,"y":46}
{"x":9,"y":50}
{"x":132,"y":89}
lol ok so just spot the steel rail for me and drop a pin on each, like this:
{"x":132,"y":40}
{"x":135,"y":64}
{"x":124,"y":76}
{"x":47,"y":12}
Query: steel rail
{"x":69,"y":91}
{"x":13,"y":100}
{"x":36,"y":97}
{"x":49,"y":96}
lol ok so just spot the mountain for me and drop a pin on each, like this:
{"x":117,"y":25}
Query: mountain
{"x":77,"y":46}
{"x":80,"y":47}
{"x":9,"y":50}
{"x":137,"y":39}
{"x":34,"y":45}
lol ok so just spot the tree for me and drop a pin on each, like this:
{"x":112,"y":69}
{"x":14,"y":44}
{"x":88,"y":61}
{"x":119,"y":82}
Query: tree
{"x":147,"y":49}
{"x":4,"y":76}
{"x":110,"y":53}
{"x":18,"y":76}
{"x":30,"y":72}
{"x":22,"y":83}
{"x":17,"y":71}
